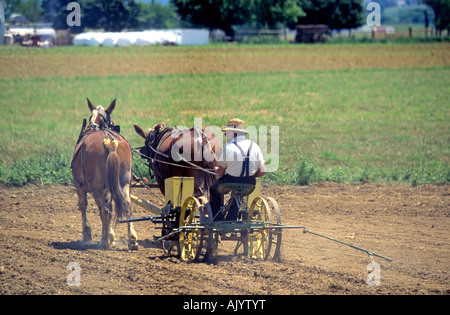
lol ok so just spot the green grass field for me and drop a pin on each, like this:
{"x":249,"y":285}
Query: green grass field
{"x":345,"y":123}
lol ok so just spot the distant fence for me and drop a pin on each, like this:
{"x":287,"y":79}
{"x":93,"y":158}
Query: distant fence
{"x":390,"y":32}
{"x":260,"y":36}
{"x":380,"y":32}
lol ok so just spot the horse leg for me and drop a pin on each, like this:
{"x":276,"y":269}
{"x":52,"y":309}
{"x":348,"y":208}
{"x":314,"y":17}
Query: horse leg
{"x":109,"y":206}
{"x":105,"y":216}
{"x":198,"y":186}
{"x":82,"y":204}
{"x":132,"y":236}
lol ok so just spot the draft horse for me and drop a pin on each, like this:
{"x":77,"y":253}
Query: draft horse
{"x":102,"y":165}
{"x":195,"y":151}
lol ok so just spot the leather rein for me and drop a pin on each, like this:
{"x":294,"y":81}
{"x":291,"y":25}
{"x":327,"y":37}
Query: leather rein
{"x":163,"y":136}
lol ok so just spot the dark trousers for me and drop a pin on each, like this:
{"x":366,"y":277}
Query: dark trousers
{"x":217,"y":200}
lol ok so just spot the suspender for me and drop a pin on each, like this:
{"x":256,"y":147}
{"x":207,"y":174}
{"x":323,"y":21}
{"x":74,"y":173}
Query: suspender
{"x":246,"y":163}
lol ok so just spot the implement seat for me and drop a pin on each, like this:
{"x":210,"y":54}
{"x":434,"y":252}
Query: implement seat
{"x":241,"y":188}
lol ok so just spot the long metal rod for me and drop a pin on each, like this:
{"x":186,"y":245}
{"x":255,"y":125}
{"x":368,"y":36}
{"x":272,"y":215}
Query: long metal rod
{"x":348,"y":244}
{"x":224,"y":225}
{"x":153,"y":209}
{"x":146,"y":218}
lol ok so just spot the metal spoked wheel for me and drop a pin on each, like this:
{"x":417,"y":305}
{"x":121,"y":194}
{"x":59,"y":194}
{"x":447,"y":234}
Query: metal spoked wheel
{"x":206,"y":219}
{"x":276,"y":233}
{"x":260,"y":239}
{"x":169,"y":244}
{"x":191,"y":241}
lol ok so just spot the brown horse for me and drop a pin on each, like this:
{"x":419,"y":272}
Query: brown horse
{"x":188,"y":153}
{"x":101,"y":164}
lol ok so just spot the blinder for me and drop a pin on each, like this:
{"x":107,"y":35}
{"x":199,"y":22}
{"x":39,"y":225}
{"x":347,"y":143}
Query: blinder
{"x":106,"y":117}
{"x":144,"y":150}
{"x":115,"y":128}
{"x":108,"y":121}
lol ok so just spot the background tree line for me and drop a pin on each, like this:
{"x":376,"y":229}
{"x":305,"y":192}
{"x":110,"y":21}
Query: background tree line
{"x":116,"y":15}
{"x":110,"y":15}
{"x":224,"y":14}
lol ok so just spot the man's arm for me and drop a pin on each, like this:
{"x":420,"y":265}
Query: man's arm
{"x":261,"y":171}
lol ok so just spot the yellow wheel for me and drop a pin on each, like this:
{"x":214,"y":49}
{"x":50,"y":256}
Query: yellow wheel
{"x":276,"y":233}
{"x":190,"y":241}
{"x":260,"y":239}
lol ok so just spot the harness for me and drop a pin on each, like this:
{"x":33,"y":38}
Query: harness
{"x":246,"y":163}
{"x":111,"y":135}
{"x":152,"y":154}
{"x":159,"y":140}
{"x":112,"y":132}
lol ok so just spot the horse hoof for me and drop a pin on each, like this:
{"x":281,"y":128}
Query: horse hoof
{"x":133,"y":246}
{"x":105,"y":245}
{"x":87,"y":238}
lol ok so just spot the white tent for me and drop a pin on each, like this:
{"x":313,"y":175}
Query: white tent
{"x":87,"y":39}
{"x":149,"y":37}
{"x":109,"y":39}
{"x":125,"y":39}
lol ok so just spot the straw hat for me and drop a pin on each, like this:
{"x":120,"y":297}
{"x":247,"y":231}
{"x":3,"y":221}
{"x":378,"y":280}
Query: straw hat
{"x":236,"y":125}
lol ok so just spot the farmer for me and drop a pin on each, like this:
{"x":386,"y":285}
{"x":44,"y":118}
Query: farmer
{"x":240,"y":161}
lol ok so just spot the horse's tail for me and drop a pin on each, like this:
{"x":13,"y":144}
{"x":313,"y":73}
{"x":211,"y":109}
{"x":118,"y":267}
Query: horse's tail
{"x":113,"y":178}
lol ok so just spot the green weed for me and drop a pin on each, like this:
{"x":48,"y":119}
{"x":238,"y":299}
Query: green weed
{"x":51,"y":169}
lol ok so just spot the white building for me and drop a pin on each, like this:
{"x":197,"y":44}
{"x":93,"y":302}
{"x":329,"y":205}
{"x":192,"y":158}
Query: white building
{"x":187,"y":36}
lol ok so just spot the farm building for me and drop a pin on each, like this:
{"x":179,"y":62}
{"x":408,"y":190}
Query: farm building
{"x":27,"y":36}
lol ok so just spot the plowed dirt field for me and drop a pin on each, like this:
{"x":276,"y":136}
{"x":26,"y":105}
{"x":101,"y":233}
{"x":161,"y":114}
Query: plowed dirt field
{"x":40,"y":229}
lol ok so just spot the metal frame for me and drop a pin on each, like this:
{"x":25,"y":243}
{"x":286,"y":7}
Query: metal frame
{"x":192,"y":230}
